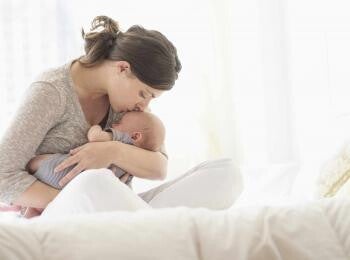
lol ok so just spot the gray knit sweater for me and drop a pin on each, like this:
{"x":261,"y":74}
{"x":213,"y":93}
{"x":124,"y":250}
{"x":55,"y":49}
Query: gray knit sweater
{"x":49,"y":120}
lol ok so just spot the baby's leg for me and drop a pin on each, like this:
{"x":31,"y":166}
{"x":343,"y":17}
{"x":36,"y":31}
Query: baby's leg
{"x":214,"y":184}
{"x":34,"y":164}
{"x":46,"y":174}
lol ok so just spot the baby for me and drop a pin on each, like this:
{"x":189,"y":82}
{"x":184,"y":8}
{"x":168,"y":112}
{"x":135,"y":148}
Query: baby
{"x":142,"y":129}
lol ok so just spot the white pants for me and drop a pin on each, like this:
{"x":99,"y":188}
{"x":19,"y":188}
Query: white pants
{"x":213,"y":184}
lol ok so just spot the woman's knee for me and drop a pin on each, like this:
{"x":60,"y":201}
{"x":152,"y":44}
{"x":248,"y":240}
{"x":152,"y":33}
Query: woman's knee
{"x":213,"y":184}
{"x":92,"y":178}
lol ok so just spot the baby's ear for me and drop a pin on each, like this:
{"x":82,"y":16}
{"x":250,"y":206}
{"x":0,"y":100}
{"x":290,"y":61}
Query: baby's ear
{"x":136,"y":136}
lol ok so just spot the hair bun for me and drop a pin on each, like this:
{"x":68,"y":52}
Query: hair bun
{"x":107,"y":24}
{"x":101,"y":38}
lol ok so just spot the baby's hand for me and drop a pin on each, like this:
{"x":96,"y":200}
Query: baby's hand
{"x":96,"y":134}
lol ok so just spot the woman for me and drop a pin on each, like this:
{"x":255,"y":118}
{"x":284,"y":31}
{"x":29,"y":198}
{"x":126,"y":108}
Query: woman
{"x":119,"y":72}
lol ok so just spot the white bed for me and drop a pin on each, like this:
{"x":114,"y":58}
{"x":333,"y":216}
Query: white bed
{"x":316,"y":230}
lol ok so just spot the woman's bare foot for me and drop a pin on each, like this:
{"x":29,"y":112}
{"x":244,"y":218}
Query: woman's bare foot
{"x":31,"y":212}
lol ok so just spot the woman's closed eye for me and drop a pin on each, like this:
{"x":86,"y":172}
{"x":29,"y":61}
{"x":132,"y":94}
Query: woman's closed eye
{"x":142,"y":94}
{"x":146,"y":95}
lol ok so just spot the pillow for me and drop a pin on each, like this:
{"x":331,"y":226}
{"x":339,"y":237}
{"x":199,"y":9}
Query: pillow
{"x":344,"y":191}
{"x":214,"y":184}
{"x":334,"y":174}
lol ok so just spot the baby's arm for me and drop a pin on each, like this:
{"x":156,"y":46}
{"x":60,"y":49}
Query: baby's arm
{"x":96,"y":134}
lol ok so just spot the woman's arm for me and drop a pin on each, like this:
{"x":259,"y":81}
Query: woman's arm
{"x":151,"y":163}
{"x":38,"y":195}
{"x":140,"y":162}
{"x":135,"y":161}
{"x":40,"y":110}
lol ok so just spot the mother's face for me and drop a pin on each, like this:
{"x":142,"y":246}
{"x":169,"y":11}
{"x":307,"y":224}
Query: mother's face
{"x":127,"y":93}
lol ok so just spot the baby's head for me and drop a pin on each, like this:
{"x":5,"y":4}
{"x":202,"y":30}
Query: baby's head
{"x":145,"y":129}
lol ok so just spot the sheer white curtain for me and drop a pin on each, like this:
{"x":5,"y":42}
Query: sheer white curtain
{"x":290,"y":67}
{"x":34,"y":38}
{"x":320,"y":59}
{"x":256,"y":86}
{"x":263,"y":82}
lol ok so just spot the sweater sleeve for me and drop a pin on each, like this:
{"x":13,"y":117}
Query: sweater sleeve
{"x":120,"y":136}
{"x":40,"y":110}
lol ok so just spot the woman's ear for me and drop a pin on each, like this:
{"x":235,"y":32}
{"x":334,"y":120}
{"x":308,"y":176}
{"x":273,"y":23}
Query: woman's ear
{"x":136,"y":136}
{"x":122,"y":65}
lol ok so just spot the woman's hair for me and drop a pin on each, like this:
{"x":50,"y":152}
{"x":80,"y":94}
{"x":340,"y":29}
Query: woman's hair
{"x":152,"y":57}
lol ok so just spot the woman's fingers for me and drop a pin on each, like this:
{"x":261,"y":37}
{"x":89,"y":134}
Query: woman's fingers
{"x":66,"y":163}
{"x":75,"y":150}
{"x":73,"y":173}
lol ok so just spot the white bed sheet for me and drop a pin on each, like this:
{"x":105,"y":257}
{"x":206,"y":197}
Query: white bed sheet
{"x":317,"y":230}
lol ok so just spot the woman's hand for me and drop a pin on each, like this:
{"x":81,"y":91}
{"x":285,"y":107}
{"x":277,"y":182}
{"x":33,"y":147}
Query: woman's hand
{"x":30,"y":212}
{"x":88,"y":156}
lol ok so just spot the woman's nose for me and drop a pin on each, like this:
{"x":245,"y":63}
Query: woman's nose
{"x":142,"y":106}
{"x":139,"y":108}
